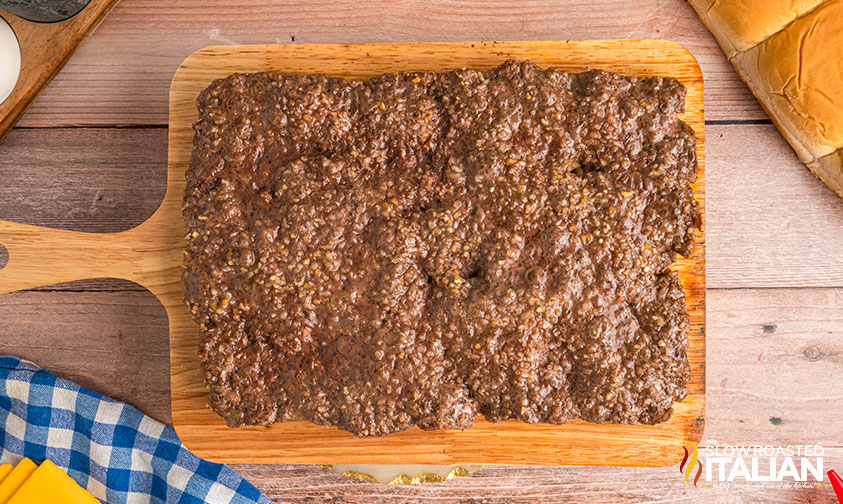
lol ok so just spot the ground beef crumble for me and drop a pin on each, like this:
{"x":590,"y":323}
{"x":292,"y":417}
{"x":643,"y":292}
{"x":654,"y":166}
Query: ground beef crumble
{"x":423,"y":247}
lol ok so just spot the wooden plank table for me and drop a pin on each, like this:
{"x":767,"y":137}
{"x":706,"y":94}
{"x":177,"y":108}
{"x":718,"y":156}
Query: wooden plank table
{"x":90,"y":155}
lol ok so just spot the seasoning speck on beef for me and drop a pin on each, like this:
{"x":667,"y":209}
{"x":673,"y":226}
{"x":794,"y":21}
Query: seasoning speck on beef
{"x":421,"y":248}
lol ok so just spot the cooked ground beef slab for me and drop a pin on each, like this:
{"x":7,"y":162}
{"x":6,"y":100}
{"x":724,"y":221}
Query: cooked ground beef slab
{"x":423,"y":247}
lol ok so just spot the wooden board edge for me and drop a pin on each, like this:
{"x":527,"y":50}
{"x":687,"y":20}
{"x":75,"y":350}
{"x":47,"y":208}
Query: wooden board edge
{"x":696,"y":433}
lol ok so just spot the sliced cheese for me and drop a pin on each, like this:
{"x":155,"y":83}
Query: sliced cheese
{"x":50,"y":485}
{"x":5,"y":469}
{"x":15,"y":479}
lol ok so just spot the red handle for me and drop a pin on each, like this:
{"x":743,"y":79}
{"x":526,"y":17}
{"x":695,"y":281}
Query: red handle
{"x":836,"y":484}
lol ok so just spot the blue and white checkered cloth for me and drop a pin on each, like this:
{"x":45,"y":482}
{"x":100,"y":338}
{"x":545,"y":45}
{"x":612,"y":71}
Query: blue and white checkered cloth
{"x":110,"y":448}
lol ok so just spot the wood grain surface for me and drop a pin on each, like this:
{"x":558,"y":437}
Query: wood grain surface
{"x":525,"y":485}
{"x":122,"y":74}
{"x":576,"y":442}
{"x":775,"y":283}
{"x":750,"y":400}
{"x":45,"y":48}
{"x":761,"y":232}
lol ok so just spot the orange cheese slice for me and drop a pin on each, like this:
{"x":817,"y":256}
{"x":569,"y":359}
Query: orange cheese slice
{"x":5,"y":469}
{"x":50,"y":485}
{"x":15,"y":479}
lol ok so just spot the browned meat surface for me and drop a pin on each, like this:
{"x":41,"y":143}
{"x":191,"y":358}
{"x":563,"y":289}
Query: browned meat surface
{"x":424,"y":247}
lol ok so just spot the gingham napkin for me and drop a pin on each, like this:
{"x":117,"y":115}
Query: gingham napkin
{"x":110,"y":448}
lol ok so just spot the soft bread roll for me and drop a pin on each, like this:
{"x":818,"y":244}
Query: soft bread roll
{"x":792,"y":60}
{"x":798,"y":75}
{"x":829,"y":169}
{"x":740,"y":24}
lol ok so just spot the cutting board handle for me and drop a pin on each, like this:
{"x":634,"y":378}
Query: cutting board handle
{"x":39,"y":256}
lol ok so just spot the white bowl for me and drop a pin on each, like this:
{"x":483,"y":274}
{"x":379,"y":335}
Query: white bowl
{"x":9,"y":60}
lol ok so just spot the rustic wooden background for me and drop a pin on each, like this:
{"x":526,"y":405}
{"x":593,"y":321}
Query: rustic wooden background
{"x":90,"y":155}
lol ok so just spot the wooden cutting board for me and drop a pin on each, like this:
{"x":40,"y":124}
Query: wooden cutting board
{"x":151,"y":255}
